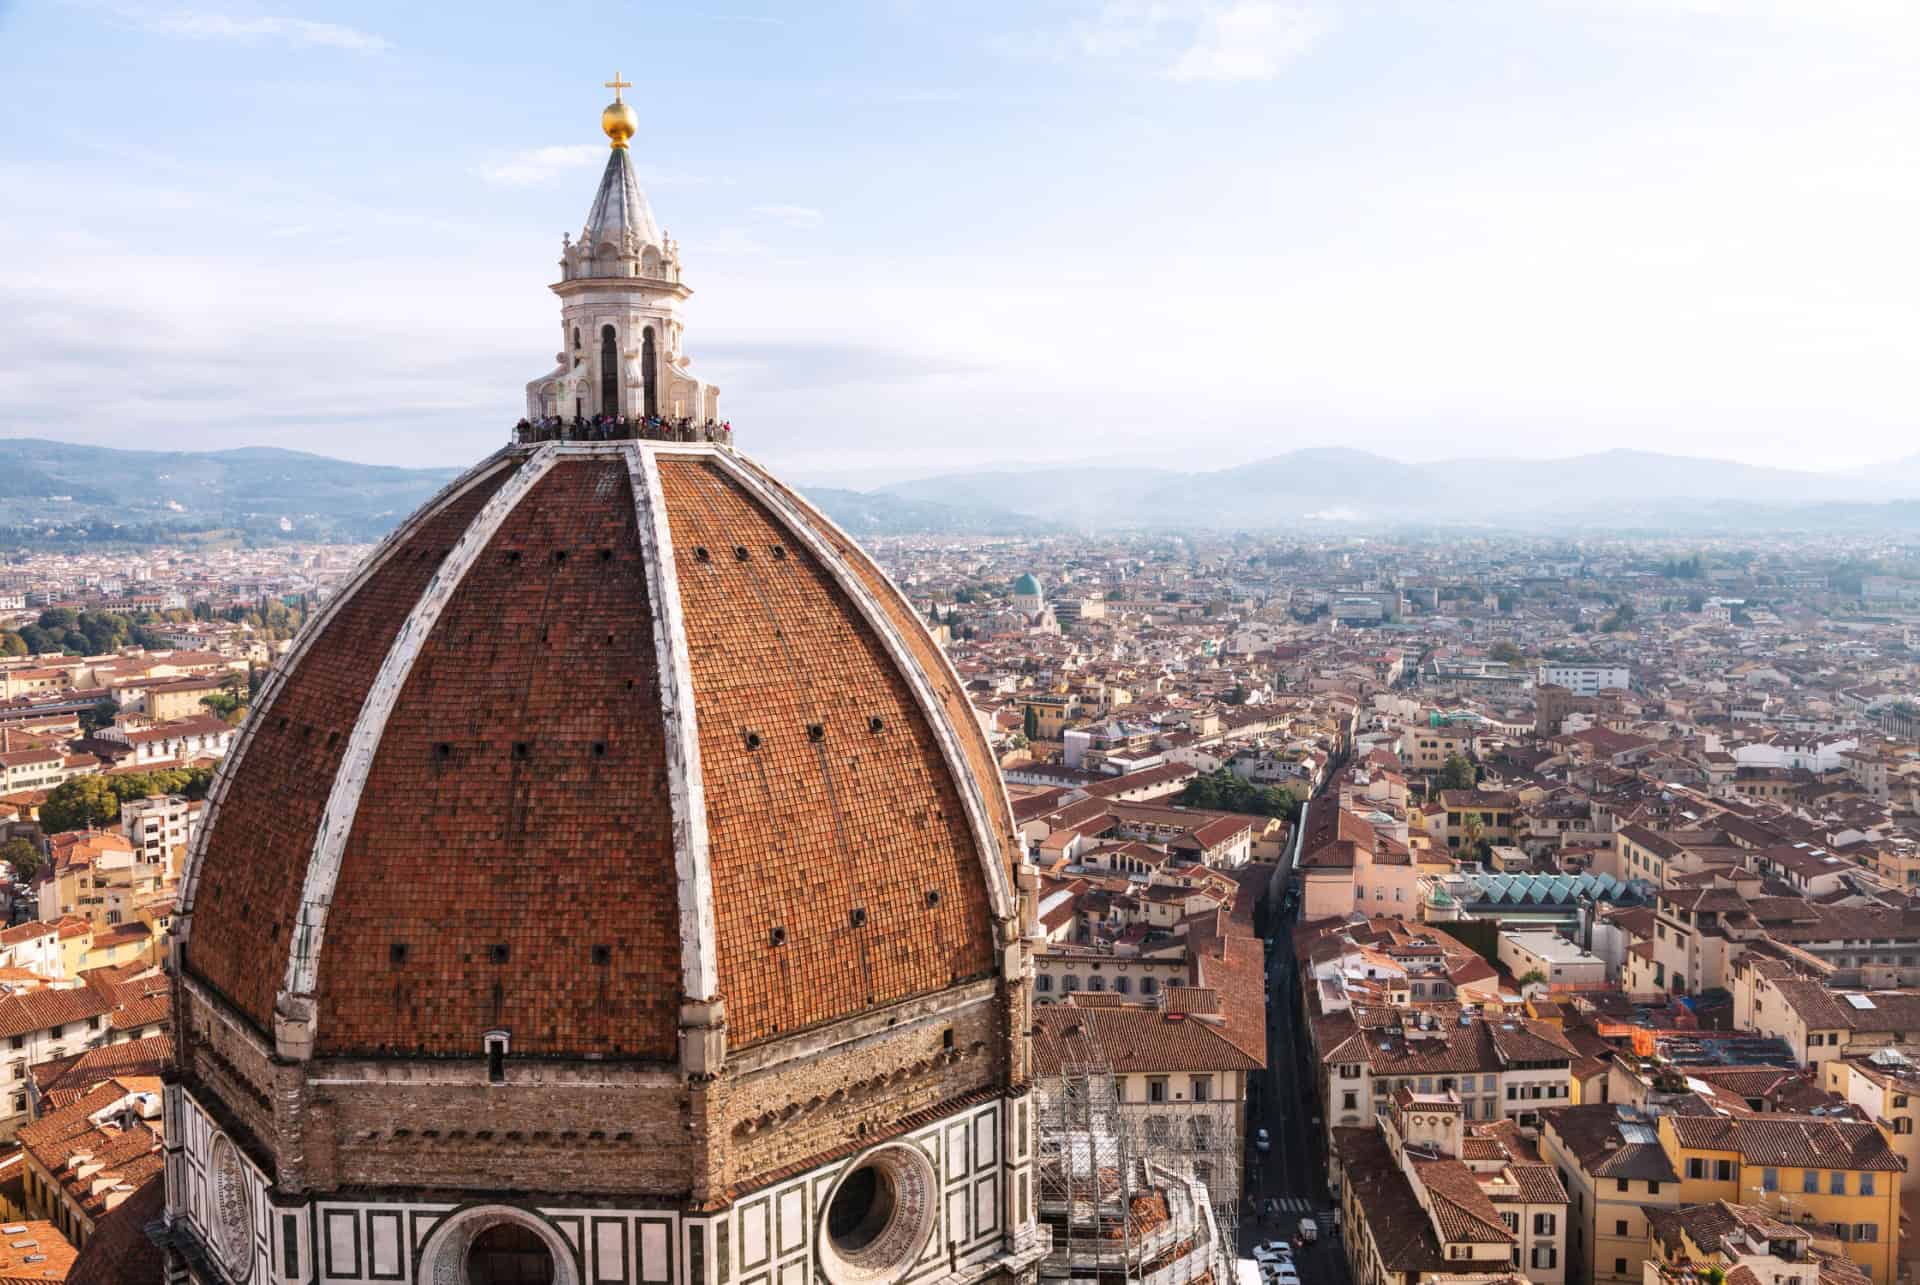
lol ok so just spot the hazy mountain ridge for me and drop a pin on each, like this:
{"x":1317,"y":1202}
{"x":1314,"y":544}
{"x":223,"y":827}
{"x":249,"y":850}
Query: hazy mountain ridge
{"x":1320,"y":484}
{"x":251,"y":489}
{"x":879,"y":513}
{"x":254,"y":490}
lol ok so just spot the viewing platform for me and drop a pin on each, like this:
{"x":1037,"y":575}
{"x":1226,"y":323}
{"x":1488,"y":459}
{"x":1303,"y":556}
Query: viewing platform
{"x":528,"y":432}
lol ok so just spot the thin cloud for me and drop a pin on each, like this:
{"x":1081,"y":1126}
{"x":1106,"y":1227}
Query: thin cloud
{"x":1248,"y":41}
{"x":200,"y":24}
{"x":537,"y":165}
{"x":1189,"y":40}
{"x":794,"y":216}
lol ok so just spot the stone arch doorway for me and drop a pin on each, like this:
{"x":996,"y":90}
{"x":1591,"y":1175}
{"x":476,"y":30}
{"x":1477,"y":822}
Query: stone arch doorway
{"x":496,"y":1245}
{"x":509,"y":1254}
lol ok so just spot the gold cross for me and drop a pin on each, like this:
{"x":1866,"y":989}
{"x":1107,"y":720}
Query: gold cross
{"x":616,"y":85}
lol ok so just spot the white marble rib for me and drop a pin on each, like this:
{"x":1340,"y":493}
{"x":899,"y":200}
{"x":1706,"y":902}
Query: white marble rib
{"x":343,"y":802}
{"x":999,"y":896}
{"x":685,"y":783}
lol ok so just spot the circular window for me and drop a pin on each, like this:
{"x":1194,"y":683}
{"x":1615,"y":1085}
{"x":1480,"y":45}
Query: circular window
{"x":232,"y":1209}
{"x":878,"y":1217}
{"x":509,"y":1254}
{"x":862,"y":1207}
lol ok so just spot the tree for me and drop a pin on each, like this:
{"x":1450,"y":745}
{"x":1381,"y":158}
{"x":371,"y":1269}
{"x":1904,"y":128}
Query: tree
{"x":1030,"y":724}
{"x":1507,"y":600}
{"x":228,"y":703}
{"x":85,"y":801}
{"x":1506,"y":651}
{"x":95,"y":800}
{"x":23,"y":857}
{"x":1472,"y":836}
{"x":12,"y":644}
{"x":1226,"y":792}
{"x":1455,"y":774}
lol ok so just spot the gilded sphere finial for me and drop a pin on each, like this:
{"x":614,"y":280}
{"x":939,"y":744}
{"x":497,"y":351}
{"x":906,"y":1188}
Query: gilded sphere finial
{"x":619,"y":120}
{"x":621,"y":123}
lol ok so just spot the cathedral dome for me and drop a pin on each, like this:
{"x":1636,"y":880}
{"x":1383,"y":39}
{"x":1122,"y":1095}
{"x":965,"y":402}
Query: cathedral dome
{"x":612,"y":883}
{"x":603,"y":731}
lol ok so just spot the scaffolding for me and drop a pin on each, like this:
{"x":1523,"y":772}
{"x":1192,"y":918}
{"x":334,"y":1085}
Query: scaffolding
{"x":1127,"y":1200}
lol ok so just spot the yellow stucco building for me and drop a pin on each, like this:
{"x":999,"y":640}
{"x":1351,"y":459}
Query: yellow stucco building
{"x":1838,"y":1178}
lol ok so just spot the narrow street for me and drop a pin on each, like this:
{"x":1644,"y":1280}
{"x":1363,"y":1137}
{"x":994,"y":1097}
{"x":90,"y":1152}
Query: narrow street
{"x":1293,"y":1173}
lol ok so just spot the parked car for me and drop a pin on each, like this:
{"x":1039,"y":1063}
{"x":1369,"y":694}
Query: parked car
{"x":1274,"y":1251}
{"x":1283,"y":1274}
{"x":1261,"y":1142}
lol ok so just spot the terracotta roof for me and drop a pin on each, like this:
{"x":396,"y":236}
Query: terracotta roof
{"x":524,"y":757}
{"x":64,"y":1079}
{"x":1539,"y":1184}
{"x":1130,"y":1040}
{"x":1401,"y":1232}
{"x":1594,"y":1135}
{"x":127,"y":1150}
{"x":1793,"y":1141}
{"x":38,"y":1252}
{"x":1481,"y":1045}
{"x":27,"y":932}
{"x":38,"y":1010}
{"x":1710,"y":1225}
{"x":144,"y":1011}
{"x":119,"y":1251}
{"x":1460,"y":1207}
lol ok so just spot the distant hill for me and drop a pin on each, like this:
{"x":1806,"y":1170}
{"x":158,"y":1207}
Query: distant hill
{"x":51,"y":491}
{"x":879,"y":513}
{"x":1342,"y":486}
{"x":256,"y":491}
{"x":1089,"y":496}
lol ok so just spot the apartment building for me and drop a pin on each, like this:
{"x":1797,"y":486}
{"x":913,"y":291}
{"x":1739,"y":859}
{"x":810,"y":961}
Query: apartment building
{"x":1498,"y":1069}
{"x":40,"y":1026}
{"x":1693,"y":1241}
{"x":1424,"y":1198}
{"x":161,"y":827}
{"x":1584,"y":679}
{"x":1179,"y":1081}
{"x":88,"y":1158}
{"x":1611,"y":1162}
{"x":1841,"y":1177}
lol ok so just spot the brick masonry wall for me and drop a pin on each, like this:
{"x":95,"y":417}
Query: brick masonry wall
{"x":803,"y":1110}
{"x":611,"y":1138}
{"x":223,"y":1067}
{"x":581,"y":1128}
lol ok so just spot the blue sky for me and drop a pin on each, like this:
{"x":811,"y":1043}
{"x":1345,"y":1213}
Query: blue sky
{"x":933,"y":236}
